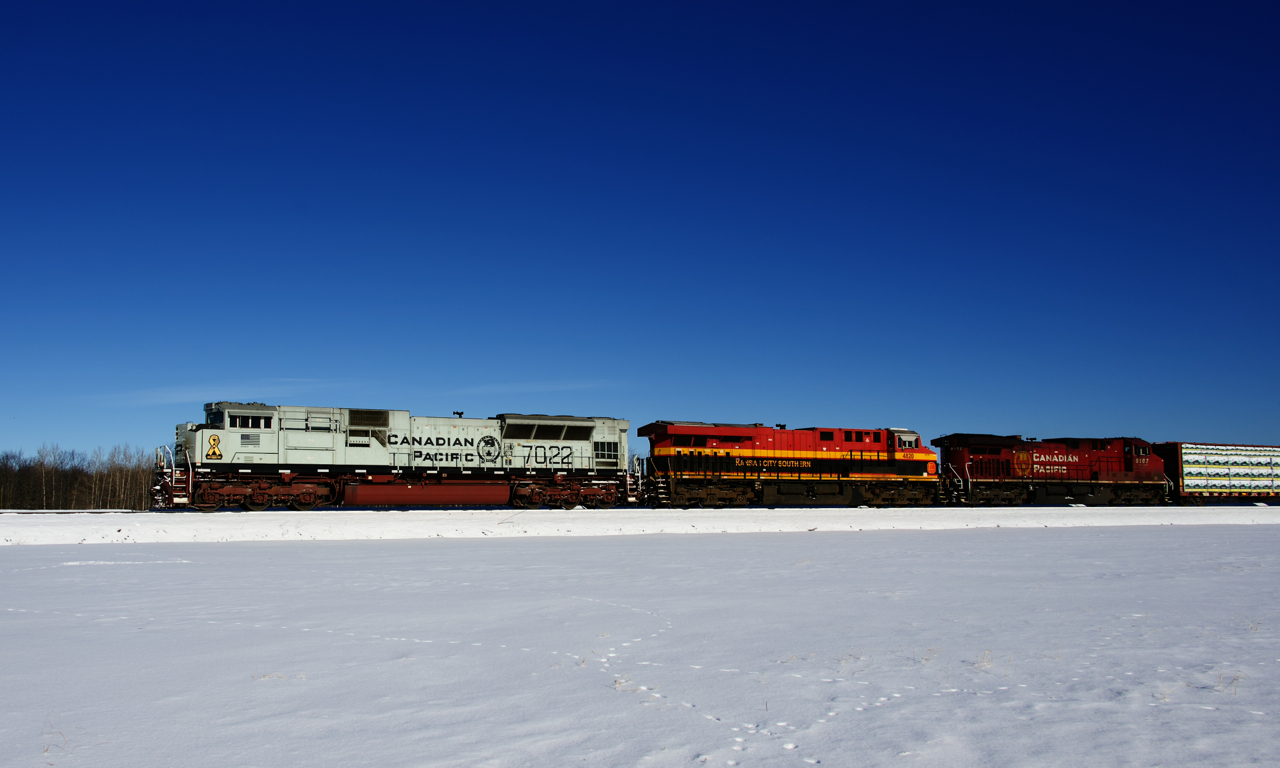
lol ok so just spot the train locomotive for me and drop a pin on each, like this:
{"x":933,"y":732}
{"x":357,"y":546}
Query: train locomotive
{"x":739,"y":464}
{"x":997,"y":470}
{"x":253,"y":456}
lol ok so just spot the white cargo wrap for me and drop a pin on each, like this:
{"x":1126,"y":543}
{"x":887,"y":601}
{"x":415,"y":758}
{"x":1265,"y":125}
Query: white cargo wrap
{"x":1230,"y":468}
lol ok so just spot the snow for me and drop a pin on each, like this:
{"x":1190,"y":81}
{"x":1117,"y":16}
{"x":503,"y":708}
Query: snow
{"x":1076,"y":644}
{"x":488,"y":523}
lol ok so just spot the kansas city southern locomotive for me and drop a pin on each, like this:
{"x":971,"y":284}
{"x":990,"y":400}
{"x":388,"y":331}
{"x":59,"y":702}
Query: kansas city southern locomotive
{"x":740,"y":464}
{"x":253,"y":456}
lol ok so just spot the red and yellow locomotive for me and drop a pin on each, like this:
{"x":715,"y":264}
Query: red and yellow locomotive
{"x":695,"y":463}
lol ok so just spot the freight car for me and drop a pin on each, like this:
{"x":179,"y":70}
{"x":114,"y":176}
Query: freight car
{"x":695,"y":463}
{"x":996,"y":470}
{"x":1200,"y":472}
{"x":254,"y":456}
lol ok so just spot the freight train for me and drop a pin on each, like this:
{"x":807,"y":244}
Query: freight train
{"x":253,"y":456}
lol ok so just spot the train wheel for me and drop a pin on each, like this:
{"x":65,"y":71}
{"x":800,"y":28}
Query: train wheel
{"x":205,"y":507}
{"x":298,"y":507}
{"x":250,"y":506}
{"x":568,"y":503}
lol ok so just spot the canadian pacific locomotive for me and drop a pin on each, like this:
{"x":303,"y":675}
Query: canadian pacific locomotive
{"x":253,"y":456}
{"x":995,"y":470}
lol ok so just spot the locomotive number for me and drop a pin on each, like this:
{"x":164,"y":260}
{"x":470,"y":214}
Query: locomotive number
{"x":554,"y":455}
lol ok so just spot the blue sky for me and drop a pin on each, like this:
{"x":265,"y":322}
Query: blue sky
{"x":989,"y":219}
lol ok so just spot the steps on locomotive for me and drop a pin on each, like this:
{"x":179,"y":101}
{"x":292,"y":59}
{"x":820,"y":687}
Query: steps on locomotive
{"x":178,"y":485}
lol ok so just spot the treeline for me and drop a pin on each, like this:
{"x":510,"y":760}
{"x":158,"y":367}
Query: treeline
{"x":54,"y":478}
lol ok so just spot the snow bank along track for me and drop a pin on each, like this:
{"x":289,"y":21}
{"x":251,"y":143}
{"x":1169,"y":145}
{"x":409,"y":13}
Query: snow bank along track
{"x":113,"y":527}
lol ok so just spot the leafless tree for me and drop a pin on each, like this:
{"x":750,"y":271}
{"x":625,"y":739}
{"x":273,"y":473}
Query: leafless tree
{"x":56,"y":478}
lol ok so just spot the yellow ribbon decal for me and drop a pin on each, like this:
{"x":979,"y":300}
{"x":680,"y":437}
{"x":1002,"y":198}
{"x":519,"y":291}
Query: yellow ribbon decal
{"x":213,"y":454}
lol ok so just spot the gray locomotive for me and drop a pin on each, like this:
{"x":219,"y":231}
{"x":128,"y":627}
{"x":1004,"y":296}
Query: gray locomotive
{"x":254,"y":456}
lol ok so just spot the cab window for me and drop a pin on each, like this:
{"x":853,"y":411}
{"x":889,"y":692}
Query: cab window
{"x":250,"y":422}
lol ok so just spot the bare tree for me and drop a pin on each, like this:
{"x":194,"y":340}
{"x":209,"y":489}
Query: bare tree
{"x":67,"y":479}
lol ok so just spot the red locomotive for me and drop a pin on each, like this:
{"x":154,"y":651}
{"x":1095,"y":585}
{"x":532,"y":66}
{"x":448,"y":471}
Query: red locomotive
{"x":994,"y":469}
{"x":694,"y":463}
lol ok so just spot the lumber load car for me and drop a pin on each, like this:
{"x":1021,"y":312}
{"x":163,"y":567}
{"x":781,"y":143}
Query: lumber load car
{"x":1006,"y":469}
{"x":1200,"y":472}
{"x":254,"y":456}
{"x":696,"y":463}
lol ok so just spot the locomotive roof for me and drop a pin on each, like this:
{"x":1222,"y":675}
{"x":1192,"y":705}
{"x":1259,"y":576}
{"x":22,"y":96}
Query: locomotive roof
{"x":960,"y":439}
{"x":545,"y":417}
{"x":703,"y":427}
{"x":707,"y":424}
{"x":223,"y":404}
{"x":1114,"y":437}
{"x":969,"y":438}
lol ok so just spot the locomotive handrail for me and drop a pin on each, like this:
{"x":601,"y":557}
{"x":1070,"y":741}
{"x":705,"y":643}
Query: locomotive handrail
{"x":190,"y":478}
{"x":160,"y":452}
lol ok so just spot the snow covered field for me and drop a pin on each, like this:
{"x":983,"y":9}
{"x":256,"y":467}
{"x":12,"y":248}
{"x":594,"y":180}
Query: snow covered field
{"x":1132,"y":645}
